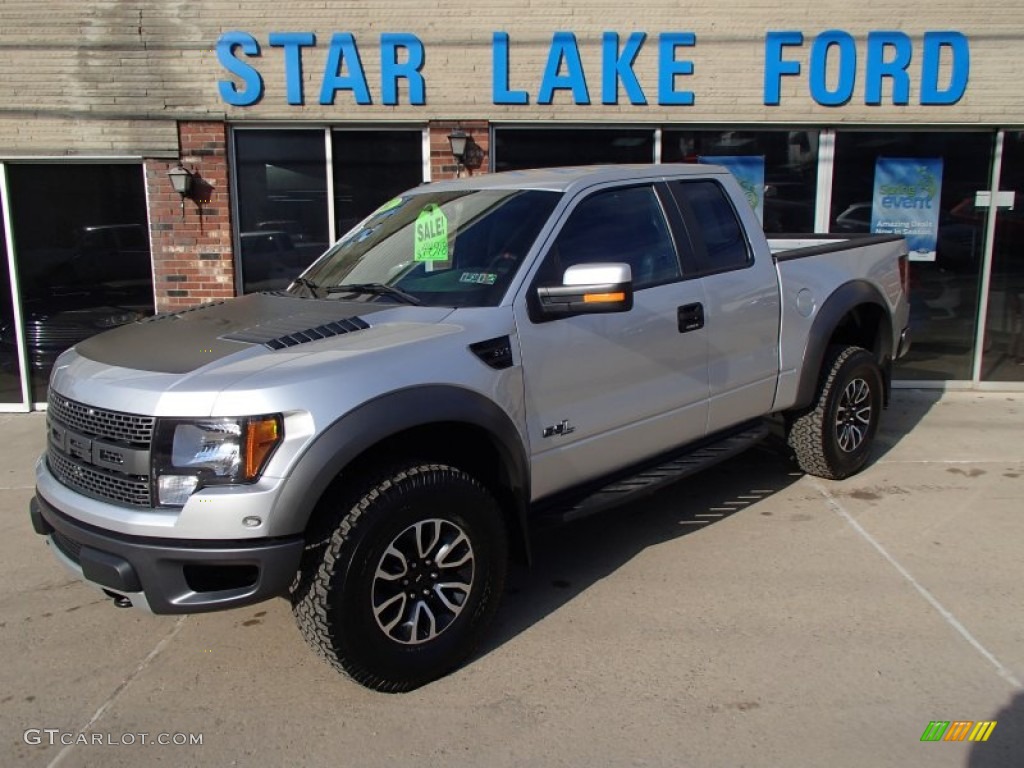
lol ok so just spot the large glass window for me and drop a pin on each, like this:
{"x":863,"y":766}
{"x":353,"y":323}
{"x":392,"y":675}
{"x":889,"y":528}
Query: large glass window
{"x":783,"y":180}
{"x":81,"y":246}
{"x":893,"y":177}
{"x":10,"y":365}
{"x":518,"y":148}
{"x":1003,"y":354}
{"x":371,"y":167}
{"x":282,"y":204}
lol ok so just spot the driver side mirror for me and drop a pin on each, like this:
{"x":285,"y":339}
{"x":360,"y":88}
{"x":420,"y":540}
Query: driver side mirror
{"x":588,"y":289}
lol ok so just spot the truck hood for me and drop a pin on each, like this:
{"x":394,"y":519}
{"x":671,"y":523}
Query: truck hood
{"x":242,"y":328}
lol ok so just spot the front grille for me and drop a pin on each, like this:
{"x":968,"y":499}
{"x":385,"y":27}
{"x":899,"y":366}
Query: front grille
{"x":108,"y":486}
{"x":75,"y":450}
{"x":99,"y":422}
{"x":71,"y":548}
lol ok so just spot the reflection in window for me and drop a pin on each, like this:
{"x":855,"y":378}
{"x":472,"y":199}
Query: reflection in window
{"x":622,"y":225}
{"x":719,"y":239}
{"x":943,"y":292}
{"x":790,"y":168}
{"x":519,"y":148}
{"x":370,"y":168}
{"x":10,"y":365}
{"x":83,"y":258}
{"x":282,"y":204}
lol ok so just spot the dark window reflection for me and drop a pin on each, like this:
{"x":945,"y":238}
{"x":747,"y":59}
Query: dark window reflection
{"x":1003,"y":355}
{"x":370,"y":168}
{"x":944,"y":292}
{"x":82,"y":250}
{"x":282,"y":204}
{"x":790,"y":168}
{"x":10,"y":367}
{"x":518,"y":148}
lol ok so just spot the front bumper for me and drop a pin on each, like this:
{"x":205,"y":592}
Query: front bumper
{"x":170,"y":576}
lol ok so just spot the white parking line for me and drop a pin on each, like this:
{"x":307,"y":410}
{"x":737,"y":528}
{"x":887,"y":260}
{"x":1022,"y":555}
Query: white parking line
{"x":840,"y":510}
{"x":117,"y":691}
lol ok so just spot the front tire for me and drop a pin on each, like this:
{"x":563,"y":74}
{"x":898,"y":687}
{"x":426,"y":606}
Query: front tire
{"x":409,"y":579}
{"x":833,"y":438}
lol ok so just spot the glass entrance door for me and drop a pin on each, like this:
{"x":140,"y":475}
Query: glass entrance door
{"x":1003,"y":350}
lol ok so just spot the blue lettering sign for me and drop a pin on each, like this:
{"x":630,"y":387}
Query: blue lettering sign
{"x":343,"y":51}
{"x":775,"y":66}
{"x":500,"y":92}
{"x":411,"y":69}
{"x":668,"y":68}
{"x":823,"y":44}
{"x":293,"y":43}
{"x":563,"y":49}
{"x":616,"y":67}
{"x":229,"y":91}
{"x":879,"y":67}
{"x":960,"y":50}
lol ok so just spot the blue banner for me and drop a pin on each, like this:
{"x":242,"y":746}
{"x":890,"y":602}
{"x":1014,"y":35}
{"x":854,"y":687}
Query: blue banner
{"x":906,"y":202}
{"x":749,"y":172}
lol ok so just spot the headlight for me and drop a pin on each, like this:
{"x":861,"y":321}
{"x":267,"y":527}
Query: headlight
{"x":194,"y":453}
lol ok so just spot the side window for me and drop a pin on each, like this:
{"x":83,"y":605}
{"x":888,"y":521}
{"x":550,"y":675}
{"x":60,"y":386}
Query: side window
{"x":717,"y":234}
{"x":620,"y":225}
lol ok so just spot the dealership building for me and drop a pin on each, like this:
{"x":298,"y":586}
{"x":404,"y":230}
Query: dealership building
{"x":155,"y":155}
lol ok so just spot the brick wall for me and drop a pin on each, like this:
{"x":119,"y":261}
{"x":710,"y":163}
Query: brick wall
{"x":192,"y":255}
{"x":442,"y":162}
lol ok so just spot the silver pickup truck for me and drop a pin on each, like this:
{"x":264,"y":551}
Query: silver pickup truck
{"x":375,"y":441}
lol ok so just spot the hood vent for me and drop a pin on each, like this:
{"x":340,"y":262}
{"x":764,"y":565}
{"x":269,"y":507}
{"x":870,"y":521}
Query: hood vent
{"x":182,"y":312}
{"x":271,"y":337}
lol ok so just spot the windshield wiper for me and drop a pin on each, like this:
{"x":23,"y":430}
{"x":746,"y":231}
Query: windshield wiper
{"x":309,"y":285}
{"x":376,"y":289}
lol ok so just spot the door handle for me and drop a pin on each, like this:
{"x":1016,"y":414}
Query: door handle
{"x":691,"y":317}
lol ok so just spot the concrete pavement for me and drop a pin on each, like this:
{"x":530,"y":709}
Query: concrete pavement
{"x":751,"y":616}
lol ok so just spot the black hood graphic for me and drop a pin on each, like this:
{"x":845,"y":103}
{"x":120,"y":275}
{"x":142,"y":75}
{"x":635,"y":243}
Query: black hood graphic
{"x":181,"y":342}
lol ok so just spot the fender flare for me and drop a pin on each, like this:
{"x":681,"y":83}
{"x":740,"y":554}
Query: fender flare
{"x":387,"y":415}
{"x":844,"y":299}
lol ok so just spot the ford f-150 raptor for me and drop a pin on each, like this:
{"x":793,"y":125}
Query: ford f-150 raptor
{"x":374,"y":441}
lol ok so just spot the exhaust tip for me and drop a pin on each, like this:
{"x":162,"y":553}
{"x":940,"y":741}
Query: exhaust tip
{"x":120,"y":601}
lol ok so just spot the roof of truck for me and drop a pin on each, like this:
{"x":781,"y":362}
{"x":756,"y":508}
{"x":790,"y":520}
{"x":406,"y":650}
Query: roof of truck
{"x":566,"y":178}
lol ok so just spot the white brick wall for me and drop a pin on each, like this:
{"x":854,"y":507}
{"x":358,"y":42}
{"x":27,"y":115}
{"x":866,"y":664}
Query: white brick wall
{"x":102,"y":76}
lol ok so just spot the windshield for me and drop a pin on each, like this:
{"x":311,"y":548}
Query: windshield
{"x":455,"y":248}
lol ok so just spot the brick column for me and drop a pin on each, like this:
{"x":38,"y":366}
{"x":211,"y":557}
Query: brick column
{"x":478,"y":158}
{"x":192,"y":256}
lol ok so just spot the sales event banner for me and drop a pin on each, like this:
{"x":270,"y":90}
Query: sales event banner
{"x":906,"y":202}
{"x":749,"y":172}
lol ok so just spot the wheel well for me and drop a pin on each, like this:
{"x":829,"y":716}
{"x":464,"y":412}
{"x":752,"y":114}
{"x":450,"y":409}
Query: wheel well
{"x":862,"y":326}
{"x":457,"y":444}
{"x":867,"y":326}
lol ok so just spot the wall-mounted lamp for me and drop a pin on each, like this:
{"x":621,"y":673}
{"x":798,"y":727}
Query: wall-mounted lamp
{"x":459,"y":140}
{"x":181,"y":179}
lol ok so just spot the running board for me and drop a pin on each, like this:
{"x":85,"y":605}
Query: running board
{"x":657,"y":476}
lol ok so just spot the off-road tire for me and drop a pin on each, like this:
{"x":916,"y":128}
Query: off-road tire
{"x":336,"y":597}
{"x":832,"y":438}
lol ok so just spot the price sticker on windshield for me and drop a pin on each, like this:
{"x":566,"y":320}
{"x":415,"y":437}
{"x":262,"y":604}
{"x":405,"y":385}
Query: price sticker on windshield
{"x":431,"y":238}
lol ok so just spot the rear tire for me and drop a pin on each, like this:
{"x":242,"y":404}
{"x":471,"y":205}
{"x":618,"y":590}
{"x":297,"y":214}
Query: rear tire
{"x":409,"y":578}
{"x":833,"y":438}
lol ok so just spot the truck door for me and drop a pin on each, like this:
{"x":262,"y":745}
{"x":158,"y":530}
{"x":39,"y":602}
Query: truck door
{"x":607,"y":390}
{"x":742,"y":305}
